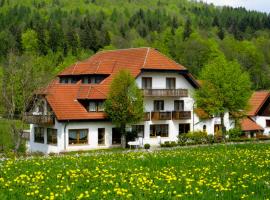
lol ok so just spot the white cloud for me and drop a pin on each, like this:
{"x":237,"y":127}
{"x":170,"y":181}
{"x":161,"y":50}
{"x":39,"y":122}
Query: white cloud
{"x":261,"y":5}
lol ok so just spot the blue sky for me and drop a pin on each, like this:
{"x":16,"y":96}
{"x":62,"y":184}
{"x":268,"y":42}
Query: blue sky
{"x":260,"y":5}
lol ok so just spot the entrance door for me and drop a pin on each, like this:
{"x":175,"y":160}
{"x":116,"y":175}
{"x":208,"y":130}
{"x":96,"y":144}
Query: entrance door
{"x":217,"y":129}
{"x":116,"y":136}
{"x":101,"y":136}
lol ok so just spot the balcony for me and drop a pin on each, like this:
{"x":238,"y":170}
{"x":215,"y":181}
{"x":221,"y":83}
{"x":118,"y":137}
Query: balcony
{"x":41,"y":119}
{"x":147,"y":116}
{"x":161,"y":115}
{"x":174,"y":115}
{"x":179,"y":115}
{"x":165,"y":92}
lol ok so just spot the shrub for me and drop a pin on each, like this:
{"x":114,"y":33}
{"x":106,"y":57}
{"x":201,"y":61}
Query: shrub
{"x":218,"y":138}
{"x":168,"y":144}
{"x":210,"y":139}
{"x":182,"y":139}
{"x":197,"y":137}
{"x":173,"y":144}
{"x":243,"y":139}
{"x":262,"y":137}
{"x":234,"y":133}
{"x":147,"y":146}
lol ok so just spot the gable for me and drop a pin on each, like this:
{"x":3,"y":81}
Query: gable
{"x":265,"y":109}
{"x":257,"y":101}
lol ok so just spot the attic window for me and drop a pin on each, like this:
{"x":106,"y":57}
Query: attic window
{"x":93,"y":79}
{"x":96,"y":106}
{"x":68,"y":80}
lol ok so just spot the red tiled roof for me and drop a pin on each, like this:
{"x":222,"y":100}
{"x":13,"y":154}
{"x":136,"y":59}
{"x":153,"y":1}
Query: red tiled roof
{"x":256,"y":102}
{"x":247,"y":124}
{"x":63,"y":98}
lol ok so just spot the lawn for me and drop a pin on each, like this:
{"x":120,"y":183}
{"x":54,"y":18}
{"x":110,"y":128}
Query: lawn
{"x":214,"y":172}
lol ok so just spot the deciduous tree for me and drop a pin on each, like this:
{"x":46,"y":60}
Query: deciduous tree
{"x":225,"y":88}
{"x":124,"y":104}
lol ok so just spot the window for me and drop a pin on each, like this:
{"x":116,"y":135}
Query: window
{"x":98,"y":79}
{"x":139,"y":129}
{"x":170,"y":83}
{"x":179,"y":105}
{"x":39,"y":135}
{"x":51,"y":136}
{"x":74,"y":80}
{"x":204,"y":128}
{"x":158,"y":105}
{"x":78,"y":136}
{"x":184,"y":128}
{"x":101,"y":136}
{"x":146,"y":83}
{"x":100,"y":106}
{"x":116,"y":136}
{"x":93,"y":79}
{"x":63,"y":80}
{"x":92,"y":106}
{"x":67,"y":80}
{"x":96,"y":106}
{"x":161,"y":130}
{"x":267,"y":123}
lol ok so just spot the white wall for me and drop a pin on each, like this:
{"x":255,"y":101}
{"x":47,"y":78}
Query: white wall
{"x":159,"y":80}
{"x":261,"y":120}
{"x":46,"y":148}
{"x":63,"y":141}
{"x":210,"y":124}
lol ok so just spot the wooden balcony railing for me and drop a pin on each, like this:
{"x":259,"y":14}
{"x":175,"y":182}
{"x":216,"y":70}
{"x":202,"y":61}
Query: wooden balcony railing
{"x":178,"y":115}
{"x":42,"y":119}
{"x":165,"y":92}
{"x":174,"y":115}
{"x":161,"y":115}
{"x":147,"y":116}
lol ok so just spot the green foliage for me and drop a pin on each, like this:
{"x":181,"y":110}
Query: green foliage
{"x":169,"y":144}
{"x":197,"y":137}
{"x":30,"y":41}
{"x":225,"y":88}
{"x":6,"y":140}
{"x":147,"y":146}
{"x":182,"y":139}
{"x":234,"y":133}
{"x":187,"y":30}
{"x":124,"y":104}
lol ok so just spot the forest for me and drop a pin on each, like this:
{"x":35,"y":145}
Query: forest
{"x":55,"y":33}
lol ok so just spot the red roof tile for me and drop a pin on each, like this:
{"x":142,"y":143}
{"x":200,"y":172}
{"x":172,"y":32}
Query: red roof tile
{"x":247,"y":124}
{"x":63,"y":98}
{"x":256,"y":101}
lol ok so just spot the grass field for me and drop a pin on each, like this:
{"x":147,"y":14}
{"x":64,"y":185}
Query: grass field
{"x":216,"y":172}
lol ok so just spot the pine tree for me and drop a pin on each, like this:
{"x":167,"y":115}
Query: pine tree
{"x":187,"y":30}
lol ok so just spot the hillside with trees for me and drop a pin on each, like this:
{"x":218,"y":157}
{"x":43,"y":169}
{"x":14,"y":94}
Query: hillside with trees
{"x":56,"y":33}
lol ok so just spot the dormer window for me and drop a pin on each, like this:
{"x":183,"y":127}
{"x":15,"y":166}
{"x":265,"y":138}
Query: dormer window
{"x":96,"y":106}
{"x":69,"y":80}
{"x":93,"y":79}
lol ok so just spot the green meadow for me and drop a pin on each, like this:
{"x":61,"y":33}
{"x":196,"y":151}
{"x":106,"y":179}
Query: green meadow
{"x":212,"y":172}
